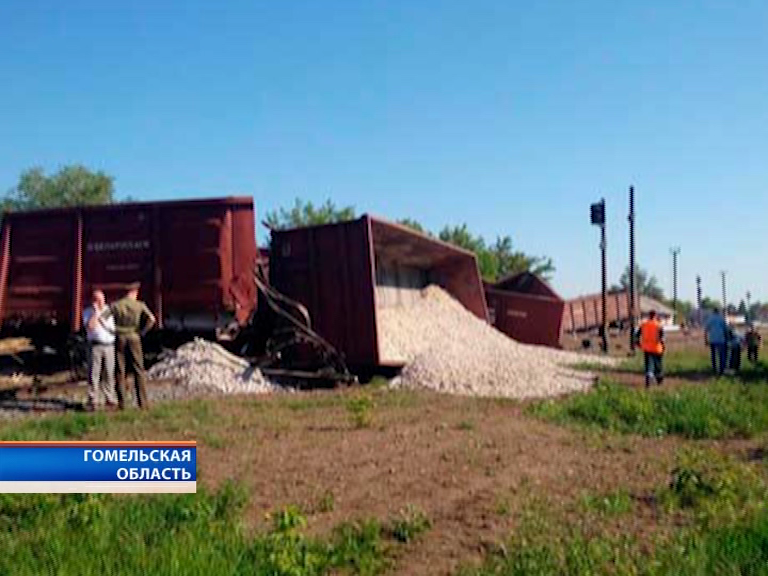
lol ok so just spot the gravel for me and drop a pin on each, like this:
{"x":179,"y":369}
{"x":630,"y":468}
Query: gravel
{"x":447,"y":348}
{"x":202,"y":367}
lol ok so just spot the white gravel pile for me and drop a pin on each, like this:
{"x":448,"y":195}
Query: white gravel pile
{"x":205,"y":367}
{"x":448,"y":349}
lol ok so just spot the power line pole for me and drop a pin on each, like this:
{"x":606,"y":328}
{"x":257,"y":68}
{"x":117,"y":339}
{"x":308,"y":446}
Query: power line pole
{"x":725,"y":300}
{"x":632,"y":269}
{"x":698,"y":300}
{"x":675,"y":251}
{"x":597,"y":213}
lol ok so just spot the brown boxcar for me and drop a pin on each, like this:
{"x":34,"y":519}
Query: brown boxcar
{"x":585,"y":312}
{"x":343,"y":273}
{"x":526,"y":309}
{"x":194,"y":259}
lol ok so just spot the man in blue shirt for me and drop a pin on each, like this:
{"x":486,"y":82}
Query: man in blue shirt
{"x":716,"y":336}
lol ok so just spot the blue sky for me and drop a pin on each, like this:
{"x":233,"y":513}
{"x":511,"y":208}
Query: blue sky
{"x":510,"y":116}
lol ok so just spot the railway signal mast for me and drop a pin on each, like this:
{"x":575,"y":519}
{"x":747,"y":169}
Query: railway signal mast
{"x":597,"y":215}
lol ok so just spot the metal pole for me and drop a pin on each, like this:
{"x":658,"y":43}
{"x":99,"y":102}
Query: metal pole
{"x":698,"y":300}
{"x":725,"y":301}
{"x":675,"y":252}
{"x":604,"y":282}
{"x":632,"y":269}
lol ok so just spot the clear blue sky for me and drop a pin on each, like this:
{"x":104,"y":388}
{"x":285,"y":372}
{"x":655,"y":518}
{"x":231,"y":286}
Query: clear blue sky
{"x":509,"y":116}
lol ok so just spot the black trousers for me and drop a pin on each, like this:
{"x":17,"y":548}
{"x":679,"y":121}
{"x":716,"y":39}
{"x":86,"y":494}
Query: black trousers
{"x":653,"y":368}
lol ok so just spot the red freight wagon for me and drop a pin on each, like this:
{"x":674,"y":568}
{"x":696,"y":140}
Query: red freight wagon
{"x":194,"y":259}
{"x":344,"y":273}
{"x":526,"y":309}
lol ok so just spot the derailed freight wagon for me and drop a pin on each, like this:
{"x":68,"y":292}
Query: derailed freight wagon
{"x":345,"y":273}
{"x":194,"y":259}
{"x":526,"y":309}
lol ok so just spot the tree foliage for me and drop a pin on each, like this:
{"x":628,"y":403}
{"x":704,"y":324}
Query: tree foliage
{"x":495,"y":260}
{"x":645,"y":284}
{"x":307,"y":214}
{"x":71,"y":186}
{"x":415,"y":225}
{"x":499,"y":259}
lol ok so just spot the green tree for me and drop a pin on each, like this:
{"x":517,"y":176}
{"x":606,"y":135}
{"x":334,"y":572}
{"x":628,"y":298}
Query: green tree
{"x":645,"y":284}
{"x":71,"y":186}
{"x":708,"y":303}
{"x":414,"y":224}
{"x":307,"y":214}
{"x":511,"y":261}
{"x":498,"y":259}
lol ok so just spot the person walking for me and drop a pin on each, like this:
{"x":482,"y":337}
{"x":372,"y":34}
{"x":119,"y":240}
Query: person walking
{"x":100,"y":333}
{"x":651,"y":338}
{"x":716,"y":337}
{"x":133,"y":319}
{"x":734,"y":351}
{"x":752,"y":338}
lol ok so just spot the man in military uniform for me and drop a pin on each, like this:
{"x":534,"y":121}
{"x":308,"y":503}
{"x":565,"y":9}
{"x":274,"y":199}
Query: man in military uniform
{"x":133,"y":320}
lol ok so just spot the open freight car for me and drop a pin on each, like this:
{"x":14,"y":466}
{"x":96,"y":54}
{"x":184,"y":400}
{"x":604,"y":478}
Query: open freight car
{"x":194,"y":259}
{"x":345,"y":273}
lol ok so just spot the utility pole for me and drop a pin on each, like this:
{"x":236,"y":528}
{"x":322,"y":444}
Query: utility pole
{"x":597,"y":216}
{"x":749,"y":306}
{"x":725,"y":301}
{"x":698,"y":300}
{"x":675,"y":251}
{"x":632,"y":270}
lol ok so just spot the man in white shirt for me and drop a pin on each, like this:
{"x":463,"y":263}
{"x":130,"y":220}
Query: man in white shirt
{"x":100,"y":327}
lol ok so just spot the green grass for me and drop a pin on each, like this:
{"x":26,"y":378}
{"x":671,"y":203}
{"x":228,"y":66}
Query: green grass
{"x":615,"y":503}
{"x":198,"y":534}
{"x":690,"y":364}
{"x":721,"y":409}
{"x":172,"y":417}
{"x":717,"y":524}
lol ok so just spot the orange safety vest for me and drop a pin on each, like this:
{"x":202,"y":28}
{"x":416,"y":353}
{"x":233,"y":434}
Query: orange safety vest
{"x":649,"y":337}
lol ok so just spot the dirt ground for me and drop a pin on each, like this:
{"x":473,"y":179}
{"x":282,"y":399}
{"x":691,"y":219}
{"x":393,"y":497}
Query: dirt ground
{"x":471,"y":465}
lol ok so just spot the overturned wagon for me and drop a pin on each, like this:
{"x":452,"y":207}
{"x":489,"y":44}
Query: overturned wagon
{"x":194,"y":259}
{"x":345,"y":273}
{"x":526,"y":309}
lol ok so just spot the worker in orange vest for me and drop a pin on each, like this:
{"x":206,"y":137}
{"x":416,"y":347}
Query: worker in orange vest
{"x":650,"y":336}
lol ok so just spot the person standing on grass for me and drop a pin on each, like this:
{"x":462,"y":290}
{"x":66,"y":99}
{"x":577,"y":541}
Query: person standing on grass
{"x":716,"y":337}
{"x":734,"y":351}
{"x":752,"y":338}
{"x":100,"y":332}
{"x":133,"y":320}
{"x":651,"y":338}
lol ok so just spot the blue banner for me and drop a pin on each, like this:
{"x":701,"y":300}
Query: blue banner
{"x":97,"y":462}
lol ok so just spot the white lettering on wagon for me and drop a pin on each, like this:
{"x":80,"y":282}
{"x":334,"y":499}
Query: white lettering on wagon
{"x":119,"y":245}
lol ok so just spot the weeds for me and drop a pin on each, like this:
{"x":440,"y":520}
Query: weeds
{"x":409,"y":524}
{"x":720,"y":519}
{"x":360,"y":409}
{"x":723,"y":409}
{"x":615,"y":503}
{"x":173,"y":534}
